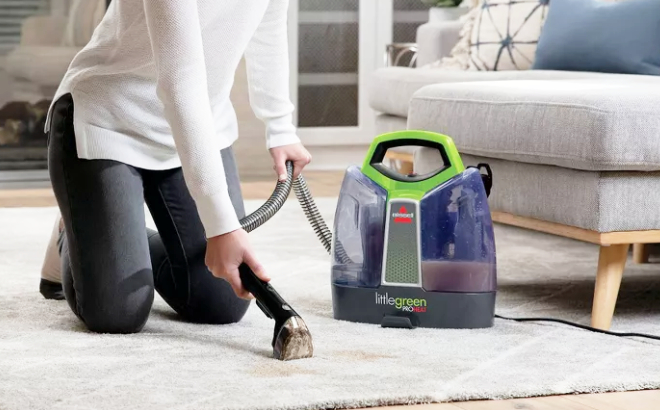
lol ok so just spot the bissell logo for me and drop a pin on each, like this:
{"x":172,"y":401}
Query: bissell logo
{"x":403,"y":217}
{"x":403,"y":304}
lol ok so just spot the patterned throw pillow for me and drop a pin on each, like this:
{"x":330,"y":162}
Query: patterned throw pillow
{"x":498,"y":35}
{"x":505,"y":34}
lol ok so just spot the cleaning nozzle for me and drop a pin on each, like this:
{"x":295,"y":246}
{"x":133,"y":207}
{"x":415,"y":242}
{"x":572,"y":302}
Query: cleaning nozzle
{"x":293,"y":340}
{"x":291,"y":337}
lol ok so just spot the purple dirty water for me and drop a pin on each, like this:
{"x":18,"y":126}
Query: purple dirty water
{"x":458,"y":276}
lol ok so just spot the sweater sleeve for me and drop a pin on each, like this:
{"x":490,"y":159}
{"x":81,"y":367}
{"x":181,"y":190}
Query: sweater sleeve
{"x":176,"y":41}
{"x":267,"y":63}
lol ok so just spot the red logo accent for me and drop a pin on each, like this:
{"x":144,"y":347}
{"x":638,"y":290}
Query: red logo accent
{"x":402,"y":217}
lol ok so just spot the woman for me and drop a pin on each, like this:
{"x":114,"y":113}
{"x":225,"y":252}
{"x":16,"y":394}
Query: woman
{"x":143,"y":115}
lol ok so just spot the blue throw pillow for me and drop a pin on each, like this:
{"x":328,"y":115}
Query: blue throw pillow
{"x":600,"y":36}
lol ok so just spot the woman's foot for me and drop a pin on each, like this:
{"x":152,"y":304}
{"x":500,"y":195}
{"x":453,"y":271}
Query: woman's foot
{"x":51,"y":290}
{"x":51,"y":270}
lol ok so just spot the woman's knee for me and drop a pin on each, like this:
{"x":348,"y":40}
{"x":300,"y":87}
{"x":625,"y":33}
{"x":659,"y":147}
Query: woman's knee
{"x":115,"y":308}
{"x":216,"y":303}
{"x":103,"y":323}
{"x":109,"y":306}
{"x":197,"y":296}
{"x":117,"y":316}
{"x":224,"y":315}
{"x":231,"y":312}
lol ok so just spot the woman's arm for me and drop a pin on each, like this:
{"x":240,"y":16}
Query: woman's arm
{"x":176,"y":41}
{"x":267,"y":63}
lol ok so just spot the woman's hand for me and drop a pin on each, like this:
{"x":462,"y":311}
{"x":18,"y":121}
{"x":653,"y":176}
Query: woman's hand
{"x":295,"y":153}
{"x":225,"y":253}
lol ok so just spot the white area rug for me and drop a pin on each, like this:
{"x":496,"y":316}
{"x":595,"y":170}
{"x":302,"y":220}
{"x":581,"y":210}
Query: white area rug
{"x":48,"y":361}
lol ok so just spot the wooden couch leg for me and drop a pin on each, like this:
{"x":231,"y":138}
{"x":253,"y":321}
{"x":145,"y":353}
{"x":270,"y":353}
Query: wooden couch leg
{"x":406,"y":168}
{"x":640,"y":253}
{"x":611,"y":262}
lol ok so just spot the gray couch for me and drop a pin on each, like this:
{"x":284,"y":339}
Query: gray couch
{"x":573,"y":153}
{"x":47,"y":46}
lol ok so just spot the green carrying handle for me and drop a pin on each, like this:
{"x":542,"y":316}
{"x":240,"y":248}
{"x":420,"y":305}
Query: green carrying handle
{"x":411,"y":186}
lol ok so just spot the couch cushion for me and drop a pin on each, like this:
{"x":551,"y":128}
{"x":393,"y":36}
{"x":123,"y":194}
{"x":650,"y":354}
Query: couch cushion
{"x":604,"y":124}
{"x":597,"y":201}
{"x":590,"y":200}
{"x":391,"y":88}
{"x":44,"y":66}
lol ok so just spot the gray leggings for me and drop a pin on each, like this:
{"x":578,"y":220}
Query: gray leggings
{"x":111,"y":263}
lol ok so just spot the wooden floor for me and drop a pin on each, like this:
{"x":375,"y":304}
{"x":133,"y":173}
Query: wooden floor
{"x":321,"y":184}
{"x":327,"y":184}
{"x":642,"y":400}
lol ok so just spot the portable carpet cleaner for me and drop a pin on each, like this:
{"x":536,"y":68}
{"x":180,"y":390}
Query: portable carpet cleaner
{"x":408,"y":250}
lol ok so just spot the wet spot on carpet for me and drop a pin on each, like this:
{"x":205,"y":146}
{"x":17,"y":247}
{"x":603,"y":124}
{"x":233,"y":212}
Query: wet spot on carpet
{"x":359,"y":355}
{"x":280,"y":369}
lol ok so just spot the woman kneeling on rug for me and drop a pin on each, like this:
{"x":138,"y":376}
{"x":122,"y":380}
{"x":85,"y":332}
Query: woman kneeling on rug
{"x":143,"y":115}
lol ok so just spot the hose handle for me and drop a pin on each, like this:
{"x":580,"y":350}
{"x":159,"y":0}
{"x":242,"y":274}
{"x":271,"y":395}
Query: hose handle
{"x":268,"y":300}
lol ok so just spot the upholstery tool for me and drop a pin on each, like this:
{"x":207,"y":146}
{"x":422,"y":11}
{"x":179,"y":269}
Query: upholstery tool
{"x":291,"y":338}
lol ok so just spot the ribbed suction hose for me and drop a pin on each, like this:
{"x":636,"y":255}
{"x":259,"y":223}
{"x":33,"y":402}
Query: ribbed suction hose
{"x":277,"y":200}
{"x":313,"y":216}
{"x":272,"y":205}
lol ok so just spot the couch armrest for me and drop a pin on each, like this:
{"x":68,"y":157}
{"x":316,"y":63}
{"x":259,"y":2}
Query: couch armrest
{"x":436,"y":40}
{"x":43,"y":31}
{"x":40,"y":65}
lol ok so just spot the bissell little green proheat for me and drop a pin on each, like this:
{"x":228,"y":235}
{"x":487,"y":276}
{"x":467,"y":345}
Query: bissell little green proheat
{"x":414,"y":250}
{"x":407,"y":250}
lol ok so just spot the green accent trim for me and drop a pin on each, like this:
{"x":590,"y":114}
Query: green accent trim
{"x":413,"y":190}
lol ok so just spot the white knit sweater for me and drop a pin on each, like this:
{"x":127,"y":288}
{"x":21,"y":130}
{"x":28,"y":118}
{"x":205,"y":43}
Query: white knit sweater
{"x":152,"y":89}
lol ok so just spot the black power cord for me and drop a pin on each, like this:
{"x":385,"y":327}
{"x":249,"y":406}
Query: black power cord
{"x":585,"y":327}
{"x":487,"y":179}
